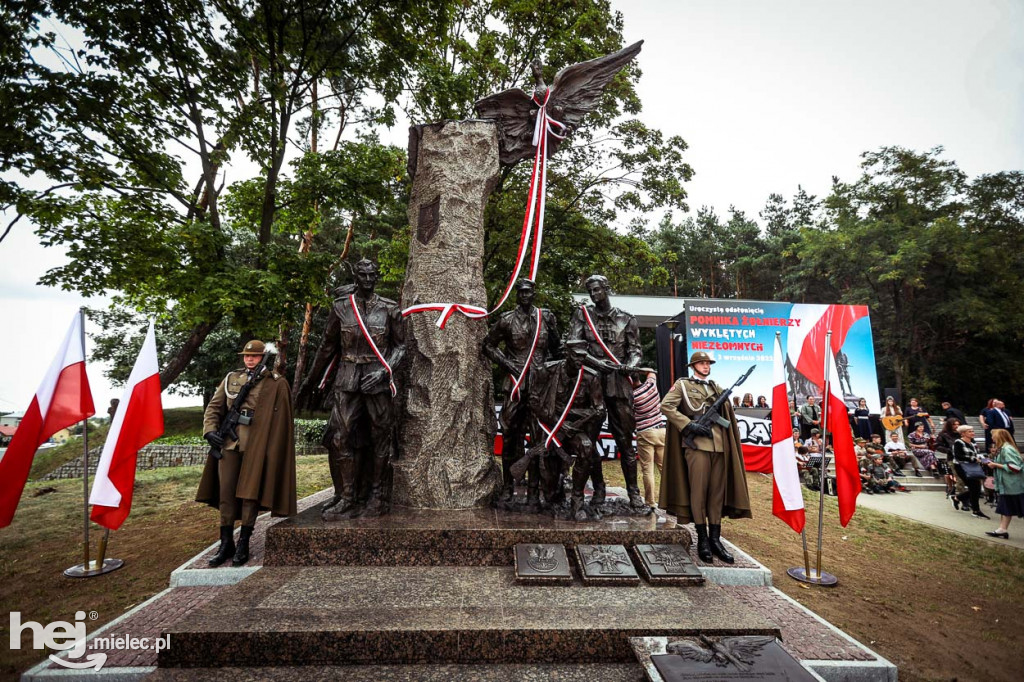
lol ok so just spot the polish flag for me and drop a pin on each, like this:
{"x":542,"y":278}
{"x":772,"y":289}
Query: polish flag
{"x":787,"y":499}
{"x":139,"y":419}
{"x":835,"y":417}
{"x":63,"y":398}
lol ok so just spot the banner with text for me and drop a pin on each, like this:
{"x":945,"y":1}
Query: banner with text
{"x":738,"y":334}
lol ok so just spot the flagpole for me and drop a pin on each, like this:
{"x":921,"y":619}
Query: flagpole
{"x":89,"y":569}
{"x":85,"y":462}
{"x":820,"y":578}
{"x":83,"y":570}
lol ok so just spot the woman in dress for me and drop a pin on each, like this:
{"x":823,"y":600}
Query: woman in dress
{"x":918,"y":441}
{"x":891,"y":409}
{"x":794,"y":416}
{"x":862,"y":419}
{"x":1009,"y":475}
{"x":964,"y":452}
{"x":944,"y":446}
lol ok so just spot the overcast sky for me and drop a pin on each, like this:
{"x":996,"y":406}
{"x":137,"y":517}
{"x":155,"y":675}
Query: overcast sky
{"x":769,"y":96}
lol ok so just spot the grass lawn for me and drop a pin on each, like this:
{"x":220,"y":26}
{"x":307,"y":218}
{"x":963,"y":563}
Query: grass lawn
{"x":939,"y":605}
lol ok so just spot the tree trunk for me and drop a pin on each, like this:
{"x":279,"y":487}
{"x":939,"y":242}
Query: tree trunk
{"x":177,"y":363}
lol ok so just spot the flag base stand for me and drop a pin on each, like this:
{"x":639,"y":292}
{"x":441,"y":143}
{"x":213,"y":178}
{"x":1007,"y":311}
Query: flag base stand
{"x":812,"y":577}
{"x":94,"y":569}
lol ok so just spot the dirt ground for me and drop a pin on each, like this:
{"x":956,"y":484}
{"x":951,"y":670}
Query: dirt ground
{"x":938,"y":605}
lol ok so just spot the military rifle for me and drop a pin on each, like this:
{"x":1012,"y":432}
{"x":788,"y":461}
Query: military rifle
{"x":712,"y":415}
{"x":228,"y":428}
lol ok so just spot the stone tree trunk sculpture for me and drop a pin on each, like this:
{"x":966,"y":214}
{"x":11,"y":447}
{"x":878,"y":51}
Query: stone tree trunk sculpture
{"x":446,"y":432}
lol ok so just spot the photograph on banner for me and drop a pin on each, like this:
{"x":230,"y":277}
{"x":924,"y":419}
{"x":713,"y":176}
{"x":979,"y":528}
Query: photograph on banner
{"x":738,"y":334}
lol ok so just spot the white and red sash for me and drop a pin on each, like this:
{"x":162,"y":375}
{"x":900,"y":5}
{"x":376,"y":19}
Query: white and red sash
{"x":544,"y":126}
{"x":553,"y":431}
{"x":593,"y":330}
{"x":373,"y":346}
{"x":517,"y":382}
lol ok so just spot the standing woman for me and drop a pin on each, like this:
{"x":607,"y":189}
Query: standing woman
{"x":762,"y":402}
{"x":748,"y":400}
{"x":794,"y":416}
{"x":862,"y":419}
{"x":891,"y":409}
{"x":1009,"y":475}
{"x":965,"y":453}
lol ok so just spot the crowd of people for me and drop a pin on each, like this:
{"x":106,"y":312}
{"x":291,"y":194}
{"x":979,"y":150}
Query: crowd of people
{"x":949,"y":451}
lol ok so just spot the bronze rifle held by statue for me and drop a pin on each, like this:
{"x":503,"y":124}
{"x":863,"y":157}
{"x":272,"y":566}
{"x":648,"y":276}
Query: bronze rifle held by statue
{"x":712,"y":415}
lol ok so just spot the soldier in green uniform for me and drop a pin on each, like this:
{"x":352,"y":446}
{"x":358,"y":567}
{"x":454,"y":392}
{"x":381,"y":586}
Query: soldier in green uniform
{"x":257,"y":471}
{"x":704,"y":483}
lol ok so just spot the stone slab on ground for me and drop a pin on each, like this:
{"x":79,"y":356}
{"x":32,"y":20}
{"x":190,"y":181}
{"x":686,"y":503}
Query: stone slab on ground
{"x":498,"y":672}
{"x":443,"y":614}
{"x":464,"y":537}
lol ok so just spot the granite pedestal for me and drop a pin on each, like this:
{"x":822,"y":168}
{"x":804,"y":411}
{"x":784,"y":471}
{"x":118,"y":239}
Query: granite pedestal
{"x":465,"y":537}
{"x":439,"y":614}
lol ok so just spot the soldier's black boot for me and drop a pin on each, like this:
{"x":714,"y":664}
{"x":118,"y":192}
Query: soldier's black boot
{"x":227,"y":546}
{"x":242,"y":551}
{"x":717,"y":548}
{"x":703,"y":546}
{"x":346,"y":503}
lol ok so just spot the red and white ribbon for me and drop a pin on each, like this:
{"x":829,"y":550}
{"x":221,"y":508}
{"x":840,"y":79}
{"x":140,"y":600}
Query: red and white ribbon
{"x":517,"y":382}
{"x":553,"y":432}
{"x":373,"y":346}
{"x":534,"y":210}
{"x":593,"y":330}
{"x":447,"y":309}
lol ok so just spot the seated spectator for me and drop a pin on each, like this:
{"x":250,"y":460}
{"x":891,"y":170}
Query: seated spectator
{"x":898,"y":453}
{"x":867,"y":483}
{"x":814,"y":444}
{"x":916,"y":414}
{"x":763,"y":402}
{"x":918,"y":441}
{"x":881,"y":476}
{"x":1009,"y":478}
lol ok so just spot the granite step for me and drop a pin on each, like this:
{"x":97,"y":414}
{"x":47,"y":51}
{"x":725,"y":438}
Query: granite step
{"x":358,"y":615}
{"x":416,"y":672}
{"x":466,"y":537}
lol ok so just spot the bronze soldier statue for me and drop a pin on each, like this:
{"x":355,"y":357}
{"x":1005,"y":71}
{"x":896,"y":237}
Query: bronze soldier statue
{"x":616,"y":344}
{"x":524,"y":343}
{"x":566,"y":398}
{"x":365,"y":337}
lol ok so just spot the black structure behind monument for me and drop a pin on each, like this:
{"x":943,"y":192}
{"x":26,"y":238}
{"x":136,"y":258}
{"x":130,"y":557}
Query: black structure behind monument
{"x":666,"y":343}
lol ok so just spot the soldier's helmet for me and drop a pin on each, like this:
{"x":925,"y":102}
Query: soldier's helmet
{"x":699,"y":356}
{"x":254,"y":347}
{"x":366,"y":265}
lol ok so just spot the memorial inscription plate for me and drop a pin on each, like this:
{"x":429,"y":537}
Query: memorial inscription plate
{"x":722,"y":659}
{"x":606,"y":565}
{"x":667,"y":565}
{"x":537,"y":564}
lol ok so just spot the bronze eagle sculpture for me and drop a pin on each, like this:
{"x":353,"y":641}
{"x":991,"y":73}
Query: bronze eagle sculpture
{"x":576,"y":91}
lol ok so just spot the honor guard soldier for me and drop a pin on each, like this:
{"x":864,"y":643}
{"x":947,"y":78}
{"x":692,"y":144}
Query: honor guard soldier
{"x":256,"y":446}
{"x":701,"y":484}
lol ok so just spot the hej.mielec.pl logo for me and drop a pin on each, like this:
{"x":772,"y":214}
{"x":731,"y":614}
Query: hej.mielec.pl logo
{"x":59,"y":635}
